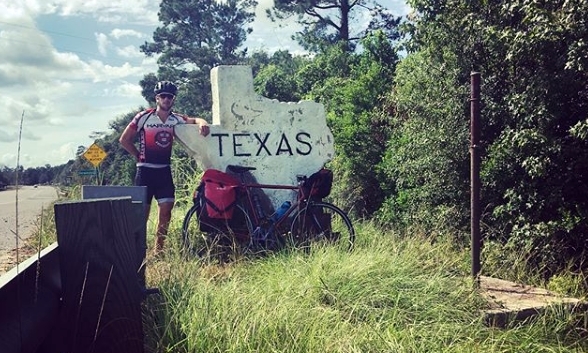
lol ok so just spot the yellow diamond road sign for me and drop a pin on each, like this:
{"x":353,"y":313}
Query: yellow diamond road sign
{"x":94,"y":154}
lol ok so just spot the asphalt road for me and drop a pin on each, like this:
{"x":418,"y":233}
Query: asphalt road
{"x":31,"y":201}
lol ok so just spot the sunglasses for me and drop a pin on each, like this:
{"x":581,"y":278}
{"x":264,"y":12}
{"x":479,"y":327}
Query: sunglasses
{"x":165,"y":95}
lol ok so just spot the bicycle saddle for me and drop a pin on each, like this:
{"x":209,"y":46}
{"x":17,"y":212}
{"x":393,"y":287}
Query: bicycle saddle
{"x":239,"y":169}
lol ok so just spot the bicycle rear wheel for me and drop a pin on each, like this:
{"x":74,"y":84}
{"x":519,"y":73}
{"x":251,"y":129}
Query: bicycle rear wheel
{"x":193,"y":239}
{"x":322,"y":221}
{"x":209,"y":238}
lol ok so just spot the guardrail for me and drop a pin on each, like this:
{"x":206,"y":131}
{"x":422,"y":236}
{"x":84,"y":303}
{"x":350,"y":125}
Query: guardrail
{"x":30,"y":298}
{"x":84,"y":294}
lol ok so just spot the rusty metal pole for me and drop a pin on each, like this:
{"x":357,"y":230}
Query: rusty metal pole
{"x":475,"y":174}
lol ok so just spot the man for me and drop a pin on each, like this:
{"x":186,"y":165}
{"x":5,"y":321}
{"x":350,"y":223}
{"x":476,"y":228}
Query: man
{"x":155,"y":127}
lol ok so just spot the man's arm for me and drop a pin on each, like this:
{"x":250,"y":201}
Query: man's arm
{"x":203,"y":127}
{"x":126,"y":141}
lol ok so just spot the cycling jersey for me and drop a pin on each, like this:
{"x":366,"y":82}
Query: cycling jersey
{"x":155,"y":137}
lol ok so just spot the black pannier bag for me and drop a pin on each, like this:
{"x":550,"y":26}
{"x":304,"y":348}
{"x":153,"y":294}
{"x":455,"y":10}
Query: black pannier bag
{"x":319,"y":184}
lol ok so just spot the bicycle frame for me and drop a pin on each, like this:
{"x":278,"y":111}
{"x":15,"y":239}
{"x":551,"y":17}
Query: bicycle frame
{"x":308,"y":218}
{"x":251,"y":207}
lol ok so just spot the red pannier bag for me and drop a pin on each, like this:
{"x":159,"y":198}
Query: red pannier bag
{"x":220,"y":193}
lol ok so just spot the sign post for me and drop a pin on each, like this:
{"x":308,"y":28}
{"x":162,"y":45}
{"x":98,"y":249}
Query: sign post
{"x":475,"y":175}
{"x":95,"y":155}
{"x":83,"y":172}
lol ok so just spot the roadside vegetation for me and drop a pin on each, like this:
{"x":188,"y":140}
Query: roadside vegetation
{"x":395,"y":292}
{"x":396,"y":94}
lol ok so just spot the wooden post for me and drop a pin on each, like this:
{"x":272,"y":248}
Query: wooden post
{"x":138,"y":195}
{"x":101,"y":307}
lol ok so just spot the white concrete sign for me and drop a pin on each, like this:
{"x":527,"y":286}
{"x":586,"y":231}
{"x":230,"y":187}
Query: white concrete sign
{"x":280,"y":139}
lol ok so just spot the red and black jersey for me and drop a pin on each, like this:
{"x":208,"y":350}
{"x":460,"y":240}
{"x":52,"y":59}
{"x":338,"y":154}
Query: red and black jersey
{"x":156,"y":137}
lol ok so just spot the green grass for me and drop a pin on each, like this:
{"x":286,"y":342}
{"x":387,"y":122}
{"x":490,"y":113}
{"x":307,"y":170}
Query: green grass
{"x":390,"y":294}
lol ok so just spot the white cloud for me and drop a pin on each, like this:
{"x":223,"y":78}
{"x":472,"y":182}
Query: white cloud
{"x":103,"y":43}
{"x":142,"y":12}
{"x":13,"y":10}
{"x":127,"y":89}
{"x":130,"y":51}
{"x":8,"y":137}
{"x":66,"y":95}
{"x":66,"y":87}
{"x":65,"y":152}
{"x":30,"y":158}
{"x":56,"y":121}
{"x":120,"y":33}
{"x":28,"y":58}
{"x":107,"y":73}
{"x":24,"y":47}
{"x":34,"y":113}
{"x":8,"y":159}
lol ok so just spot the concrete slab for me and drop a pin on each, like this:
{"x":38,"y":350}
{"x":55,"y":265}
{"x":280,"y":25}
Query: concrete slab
{"x":510,"y":301}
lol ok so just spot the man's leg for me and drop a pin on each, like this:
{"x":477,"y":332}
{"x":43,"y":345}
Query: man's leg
{"x":164,"y":217}
{"x":142,"y":178}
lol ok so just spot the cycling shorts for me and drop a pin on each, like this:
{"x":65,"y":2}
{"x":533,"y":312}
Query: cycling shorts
{"x":158,"y":181}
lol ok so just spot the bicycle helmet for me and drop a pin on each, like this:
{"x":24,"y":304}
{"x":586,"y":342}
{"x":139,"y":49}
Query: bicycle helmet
{"x":165,"y":87}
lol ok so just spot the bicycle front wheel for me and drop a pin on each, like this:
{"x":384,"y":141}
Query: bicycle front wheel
{"x":322,"y":221}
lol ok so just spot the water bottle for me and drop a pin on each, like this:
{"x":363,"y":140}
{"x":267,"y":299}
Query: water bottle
{"x":280,"y":211}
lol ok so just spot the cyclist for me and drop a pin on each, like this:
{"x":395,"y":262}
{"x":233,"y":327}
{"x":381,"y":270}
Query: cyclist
{"x":155,"y":127}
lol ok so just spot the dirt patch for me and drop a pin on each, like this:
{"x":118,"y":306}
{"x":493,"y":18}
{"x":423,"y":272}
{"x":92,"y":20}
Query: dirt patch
{"x":31,"y":202}
{"x":11,"y":258}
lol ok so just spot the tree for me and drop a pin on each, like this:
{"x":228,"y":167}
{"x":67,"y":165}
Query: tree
{"x":80,"y":151}
{"x":425,"y":165}
{"x":275,"y":76}
{"x":195,"y":36}
{"x":97,"y":135}
{"x":326,"y":22}
{"x":531,"y":56}
{"x":118,"y":168}
{"x":4,"y":176}
{"x":352,"y":87}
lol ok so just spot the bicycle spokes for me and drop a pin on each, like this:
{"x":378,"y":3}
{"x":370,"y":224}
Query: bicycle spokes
{"x":321,"y":221}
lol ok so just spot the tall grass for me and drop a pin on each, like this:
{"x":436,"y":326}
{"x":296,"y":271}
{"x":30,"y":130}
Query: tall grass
{"x":391,"y":294}
{"x":408,"y":293}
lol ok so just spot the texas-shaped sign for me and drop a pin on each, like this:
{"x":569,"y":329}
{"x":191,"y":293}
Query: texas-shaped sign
{"x":280,"y":139}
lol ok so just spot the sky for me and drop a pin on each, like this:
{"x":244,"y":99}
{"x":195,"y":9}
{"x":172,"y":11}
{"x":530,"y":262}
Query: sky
{"x":69,"y":67}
